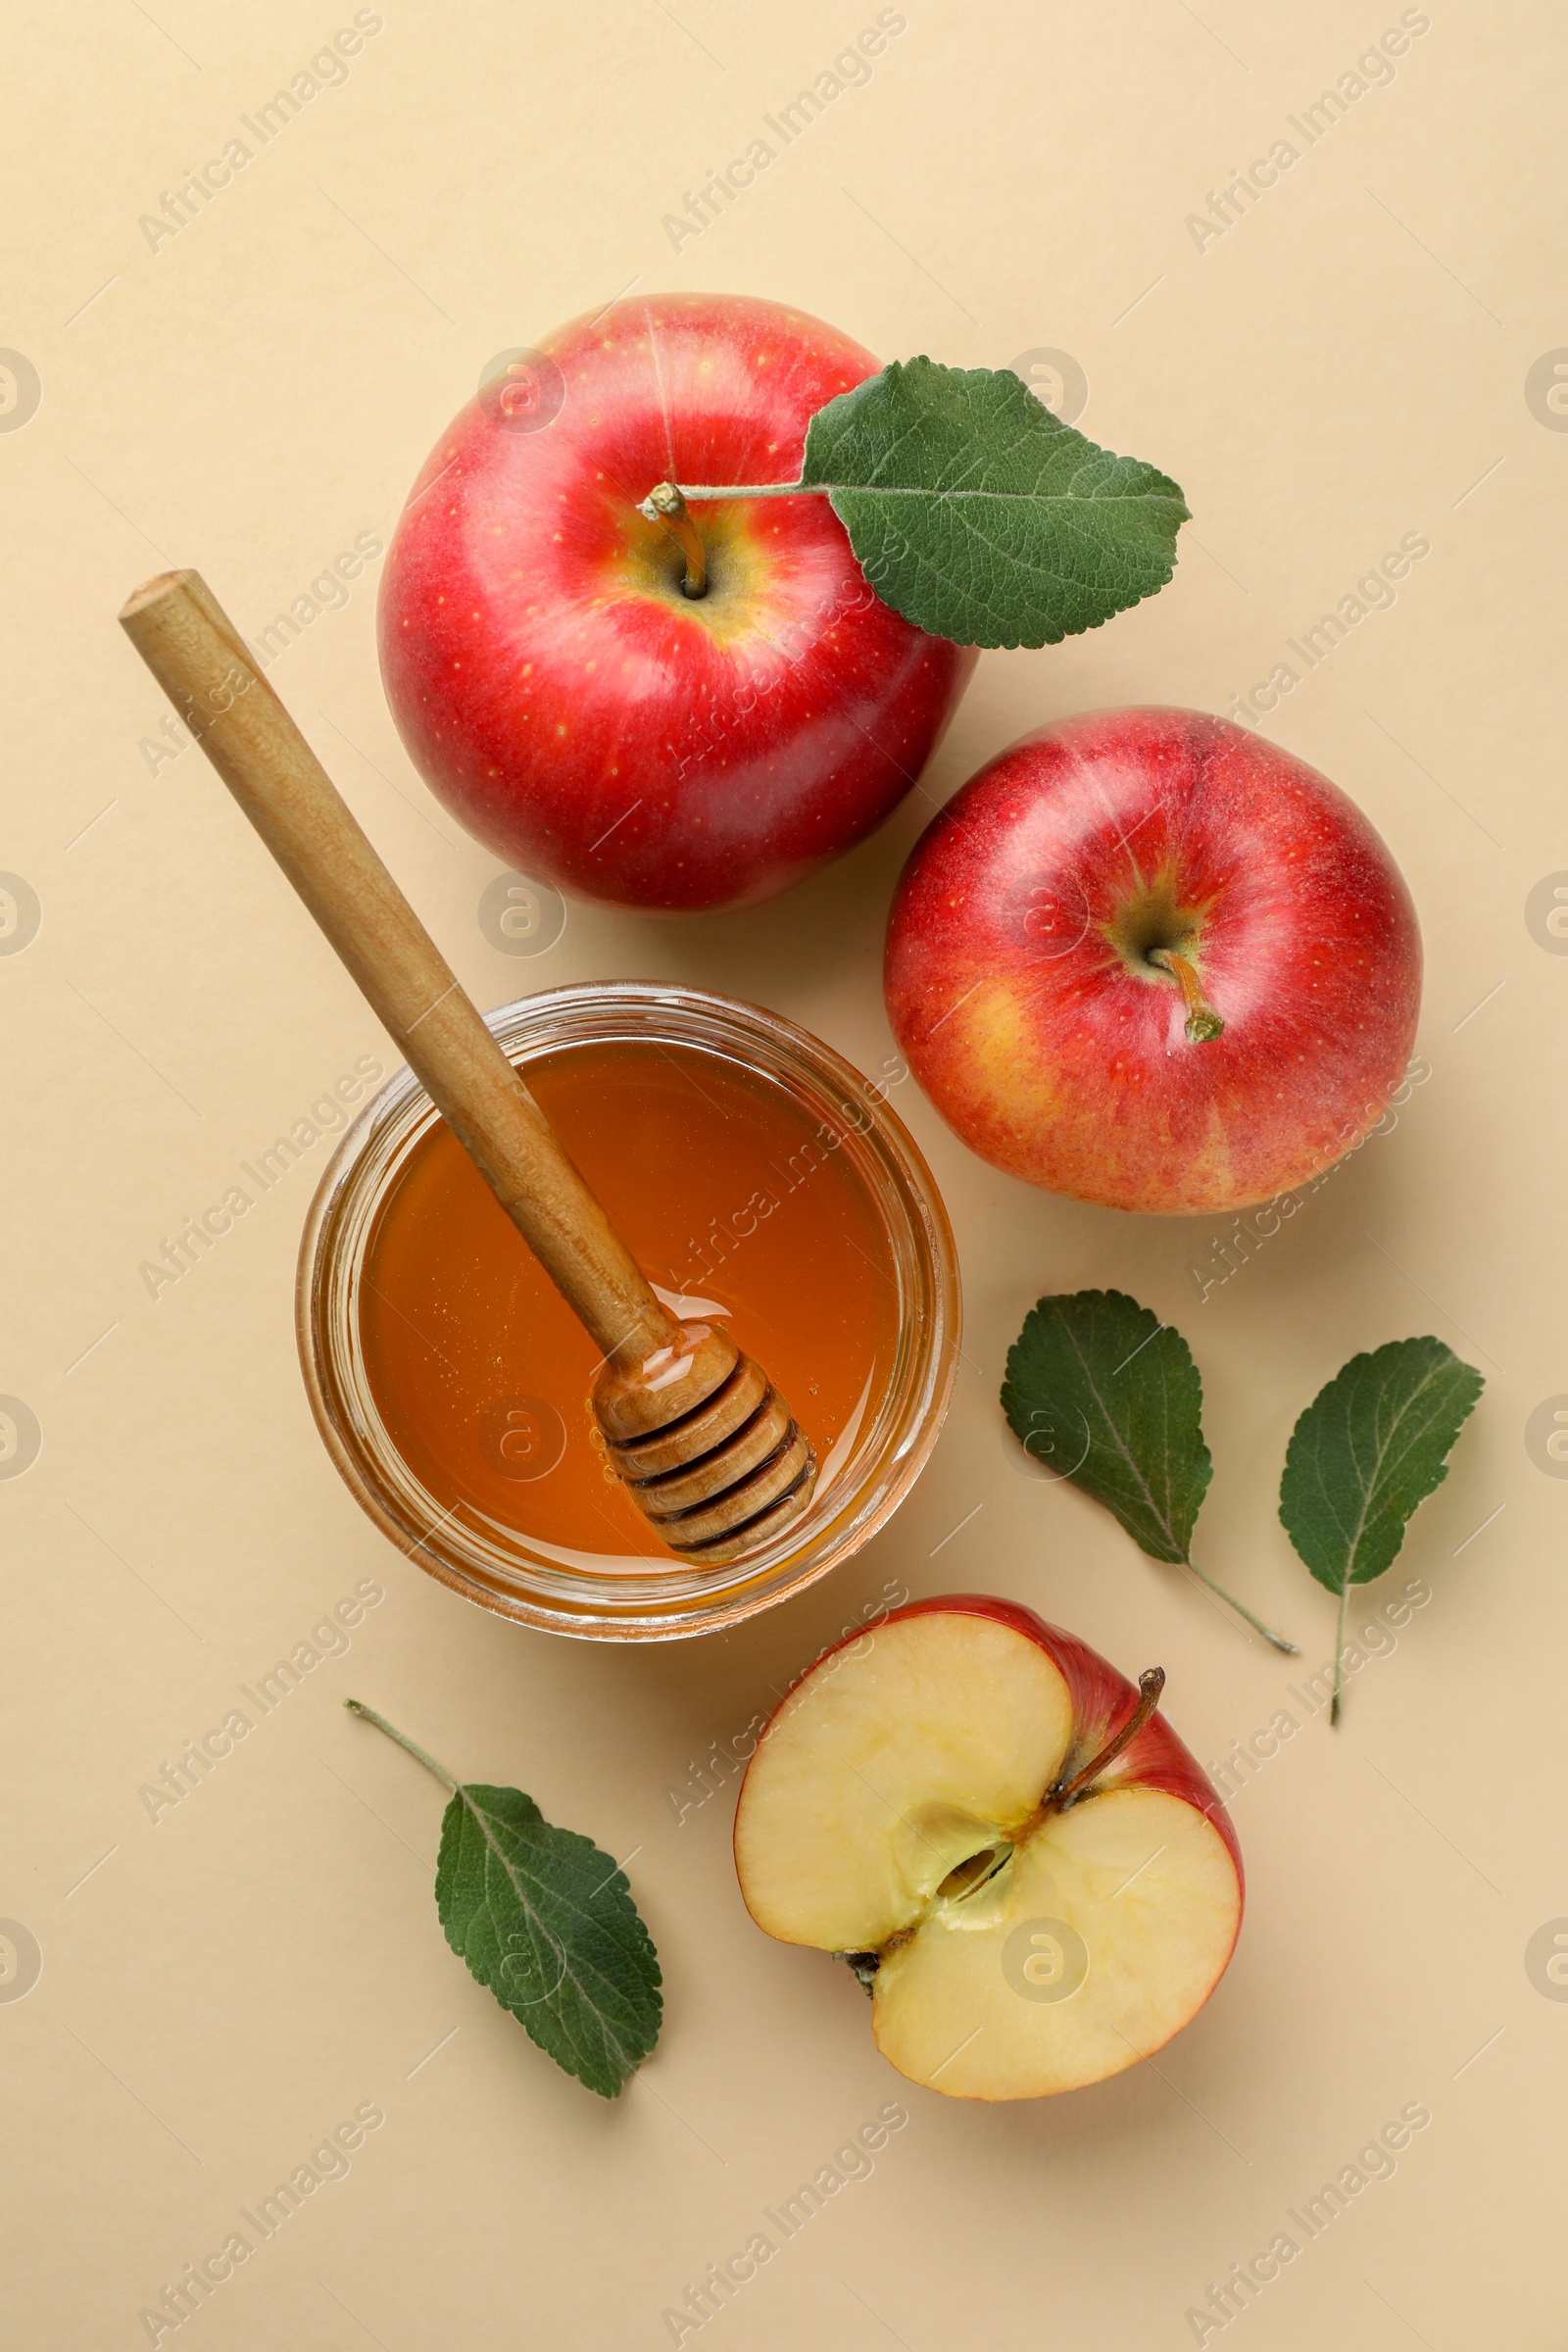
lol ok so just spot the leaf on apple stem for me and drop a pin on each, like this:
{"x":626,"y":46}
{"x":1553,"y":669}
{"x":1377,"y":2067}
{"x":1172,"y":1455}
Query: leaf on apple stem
{"x":546,"y":1921}
{"x":1370,"y":1447}
{"x":977,"y":514}
{"x":1108,"y":1394}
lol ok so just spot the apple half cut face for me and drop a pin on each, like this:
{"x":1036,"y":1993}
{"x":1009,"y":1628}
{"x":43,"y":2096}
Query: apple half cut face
{"x":927,"y":1803}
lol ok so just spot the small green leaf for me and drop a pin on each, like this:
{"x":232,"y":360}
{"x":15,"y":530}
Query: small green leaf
{"x":545,"y":1920}
{"x":1368,"y":1450}
{"x":1099,"y":1391}
{"x":979,"y":515}
{"x":1369,"y":1447}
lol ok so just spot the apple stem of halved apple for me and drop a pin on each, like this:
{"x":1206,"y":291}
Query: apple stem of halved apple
{"x":1150,"y":1683}
{"x":1203,"y":1023}
{"x":666,"y":504}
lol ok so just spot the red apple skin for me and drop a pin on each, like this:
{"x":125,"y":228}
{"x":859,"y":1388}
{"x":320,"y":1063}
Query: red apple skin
{"x":1101,"y":1702}
{"x":570,"y":705}
{"x":1018,"y":998}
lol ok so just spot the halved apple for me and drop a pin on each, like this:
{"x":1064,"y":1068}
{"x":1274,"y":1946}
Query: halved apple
{"x":1035,"y":1880}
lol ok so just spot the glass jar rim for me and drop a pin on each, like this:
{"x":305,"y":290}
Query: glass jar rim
{"x":662,"y":1601}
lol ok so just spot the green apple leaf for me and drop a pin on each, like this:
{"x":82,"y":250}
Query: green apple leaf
{"x":1369,"y":1449}
{"x":1103,"y":1394}
{"x":545,"y":1920}
{"x":973,"y":510}
{"x":1098,"y":1388}
{"x":981,"y":516}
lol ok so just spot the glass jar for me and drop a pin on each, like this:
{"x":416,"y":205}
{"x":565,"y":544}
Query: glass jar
{"x":865,"y":1476}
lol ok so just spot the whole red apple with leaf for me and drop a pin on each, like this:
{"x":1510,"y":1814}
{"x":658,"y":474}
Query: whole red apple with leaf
{"x":690,"y":618}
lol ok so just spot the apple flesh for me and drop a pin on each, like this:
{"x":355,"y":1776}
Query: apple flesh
{"x":557,"y":688}
{"x":1149,"y":960}
{"x":911,"y":1806}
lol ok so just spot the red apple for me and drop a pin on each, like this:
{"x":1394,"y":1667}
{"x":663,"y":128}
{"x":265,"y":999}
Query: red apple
{"x":559,"y":690}
{"x":1149,"y":960}
{"x":935,"y":1802}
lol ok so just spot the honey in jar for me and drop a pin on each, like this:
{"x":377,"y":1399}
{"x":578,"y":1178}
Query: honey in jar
{"x":740,"y":1204}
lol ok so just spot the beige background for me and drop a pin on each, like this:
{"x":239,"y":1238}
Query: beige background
{"x":1345,"y":364}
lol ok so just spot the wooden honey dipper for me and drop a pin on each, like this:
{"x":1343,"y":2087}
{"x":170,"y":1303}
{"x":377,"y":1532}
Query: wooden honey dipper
{"x":702,"y":1440}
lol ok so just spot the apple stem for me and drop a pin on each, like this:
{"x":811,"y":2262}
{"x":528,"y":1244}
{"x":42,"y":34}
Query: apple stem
{"x":1292,"y":1649}
{"x":1339,"y":1654}
{"x":1203,"y":1023}
{"x":666,"y":504}
{"x":1150,"y":1683}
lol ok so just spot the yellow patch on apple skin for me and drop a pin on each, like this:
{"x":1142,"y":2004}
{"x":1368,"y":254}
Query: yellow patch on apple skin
{"x":1003,"y":1051}
{"x":994,"y":1083}
{"x":990,"y":1080}
{"x":1209,"y":1175}
{"x":1095,"y":1945}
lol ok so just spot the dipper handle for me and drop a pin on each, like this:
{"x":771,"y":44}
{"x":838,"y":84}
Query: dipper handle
{"x":197,"y":655}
